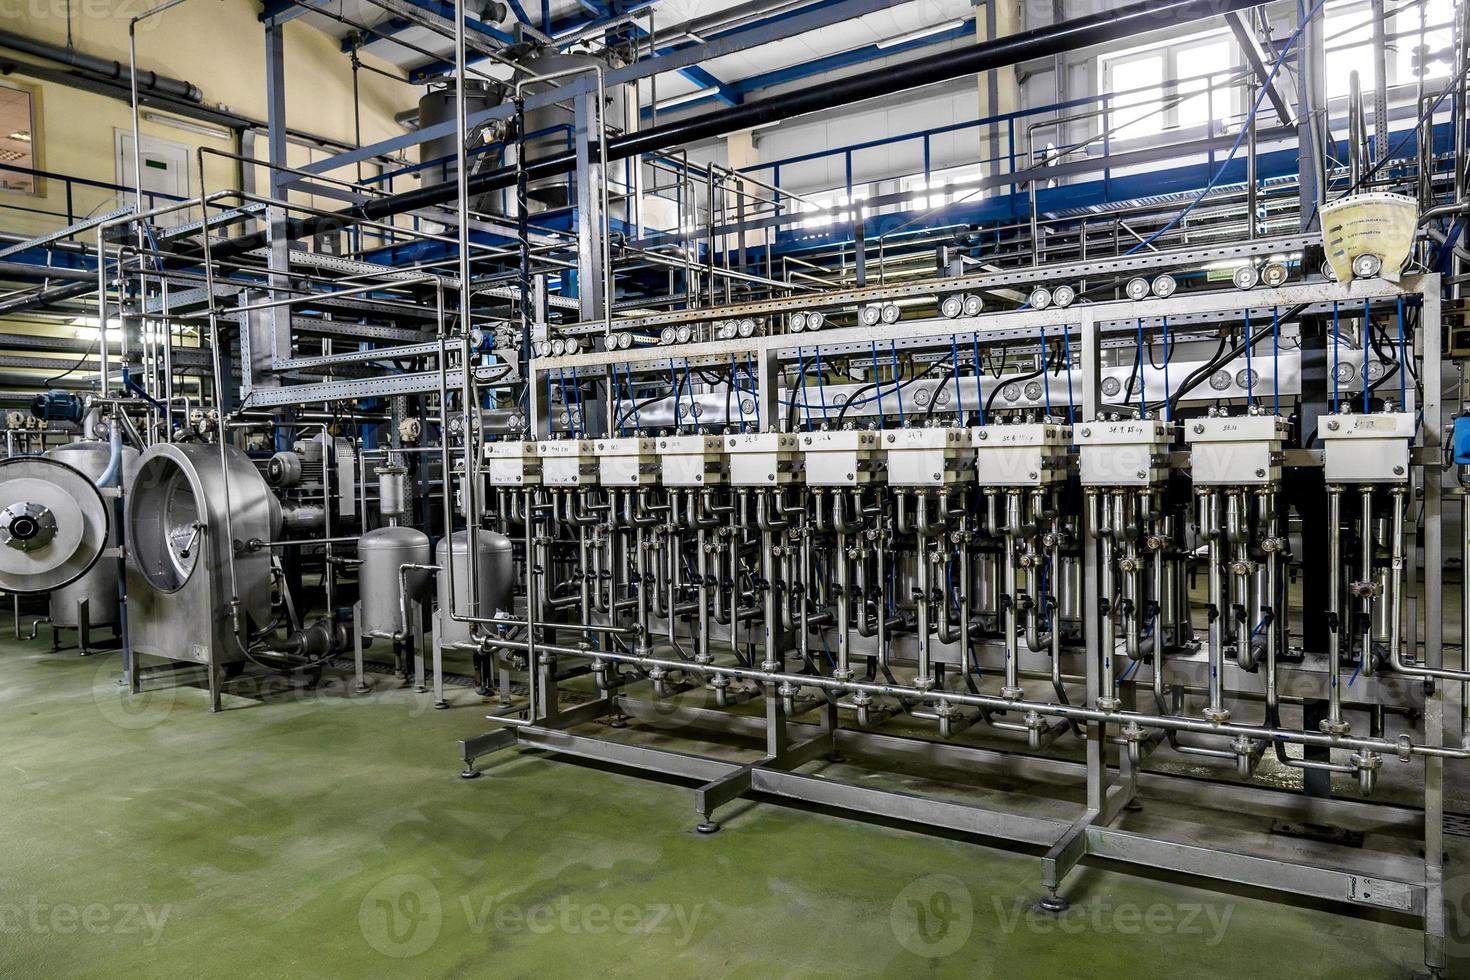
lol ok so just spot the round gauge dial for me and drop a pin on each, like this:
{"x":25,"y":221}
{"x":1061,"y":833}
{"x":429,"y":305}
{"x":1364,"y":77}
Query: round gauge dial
{"x":796,"y":322}
{"x":952,"y":306}
{"x":1245,"y":277}
{"x":1165,"y":286}
{"x":1064,"y":296}
{"x":1245,"y":378}
{"x":1040,"y":298}
{"x":869,"y":315}
{"x":1033,"y":390}
{"x":1344,"y":373}
{"x":746,"y":327}
{"x":1111,"y":386}
{"x":1221,"y":380}
{"x":973,"y":304}
{"x":1137,"y":289}
{"x":890,"y":313}
{"x":1011,"y":392}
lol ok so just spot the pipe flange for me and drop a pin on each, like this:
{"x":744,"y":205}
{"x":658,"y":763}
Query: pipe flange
{"x":26,"y":525}
{"x":1011,"y":693}
{"x":924,"y":683}
{"x":1366,"y":761}
{"x":1109,"y":704}
{"x":1217,"y":716}
{"x":772,"y":666}
{"x":1337,"y":729}
{"x":843,"y":674}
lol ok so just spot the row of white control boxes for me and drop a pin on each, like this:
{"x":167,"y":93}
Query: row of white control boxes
{"x":1224,"y":451}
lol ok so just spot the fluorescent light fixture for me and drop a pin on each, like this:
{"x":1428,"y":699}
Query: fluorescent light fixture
{"x":23,"y":137}
{"x":698,"y":93}
{"x":214,"y":132}
{"x":922,"y":32}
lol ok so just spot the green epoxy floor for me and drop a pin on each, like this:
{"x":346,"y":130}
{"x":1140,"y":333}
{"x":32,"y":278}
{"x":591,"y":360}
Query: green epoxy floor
{"x":308,"y":833}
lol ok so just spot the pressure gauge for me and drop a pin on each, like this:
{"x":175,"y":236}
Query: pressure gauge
{"x":1165,"y":286}
{"x":565,"y":418}
{"x":747,"y":405}
{"x":684,"y":332}
{"x":1011,"y":392}
{"x":796,"y":322}
{"x":1111,"y":386}
{"x":815,"y":320}
{"x":942,"y":398}
{"x":1376,"y":370}
{"x":1033,"y":390}
{"x":1344,"y":373}
{"x":952,"y":306}
{"x":696,"y":409}
{"x":1221,"y":380}
{"x":573,"y":345}
{"x":666,"y":336}
{"x":746,"y":327}
{"x":1064,"y":296}
{"x":922,"y":396}
{"x":1245,"y":378}
{"x":1246,"y":277}
{"x":1137,"y":289}
{"x":1275,"y":275}
{"x":724,"y":330}
{"x":1040,"y":298}
{"x":870,"y":315}
{"x":1367,"y":265}
{"x":625,"y":340}
{"x":839,"y":399}
{"x":1328,"y":272}
{"x":558,"y":347}
{"x":973,"y":304}
{"x":890,"y":313}
{"x":543,"y":348}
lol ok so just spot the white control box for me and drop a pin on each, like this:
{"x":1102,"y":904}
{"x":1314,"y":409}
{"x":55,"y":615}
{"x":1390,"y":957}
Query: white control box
{"x":935,"y":457}
{"x":567,"y":463}
{"x":1235,"y":451}
{"x":1371,"y":448}
{"x":691,"y":461}
{"x":848,"y":458}
{"x":1124,"y":453}
{"x":627,"y":461}
{"x":513,"y":464}
{"x":1025,"y":454}
{"x":762,"y":459}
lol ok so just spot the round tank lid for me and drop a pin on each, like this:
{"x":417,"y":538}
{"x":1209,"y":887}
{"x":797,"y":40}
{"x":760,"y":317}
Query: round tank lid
{"x":54,"y":524}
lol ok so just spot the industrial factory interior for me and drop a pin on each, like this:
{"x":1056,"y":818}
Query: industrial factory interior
{"x":767,"y":488}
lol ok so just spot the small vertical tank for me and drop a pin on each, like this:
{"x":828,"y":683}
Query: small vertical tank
{"x":496,"y":566}
{"x":99,"y":586}
{"x":383,"y":551}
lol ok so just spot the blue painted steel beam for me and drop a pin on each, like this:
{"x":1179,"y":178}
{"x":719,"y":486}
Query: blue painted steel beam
{"x":832,"y":62}
{"x":280,"y":11}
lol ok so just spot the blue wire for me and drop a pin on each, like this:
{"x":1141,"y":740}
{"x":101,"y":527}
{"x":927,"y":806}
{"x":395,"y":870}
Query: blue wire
{"x":577,"y":394}
{"x":1403,"y":359}
{"x":674,"y":377}
{"x":1336,"y":341}
{"x":801,"y":374}
{"x":1071,"y":394}
{"x":1240,"y":137}
{"x":873,"y":346}
{"x":750,"y":379}
{"x":693,"y":419}
{"x":1142,"y":374}
{"x":821,"y":385}
{"x":1276,"y":360}
{"x":1045,"y":374}
{"x":897,"y":388}
{"x":1367,"y":326}
{"x":739,"y":394}
{"x":1250,"y":372}
{"x":954,"y":362}
{"x":979,"y":401}
{"x":1168,"y":353}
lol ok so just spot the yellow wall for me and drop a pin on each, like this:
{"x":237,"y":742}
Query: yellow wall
{"x":219,"y":45}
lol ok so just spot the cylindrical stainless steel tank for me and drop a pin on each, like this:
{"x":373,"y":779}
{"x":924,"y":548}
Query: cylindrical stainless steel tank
{"x":99,"y":586}
{"x":383,"y":551}
{"x":548,"y":126}
{"x":437,"y":106}
{"x":496,"y":566}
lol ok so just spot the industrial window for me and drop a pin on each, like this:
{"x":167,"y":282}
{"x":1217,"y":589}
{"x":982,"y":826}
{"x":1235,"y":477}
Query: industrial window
{"x":1178,"y":84}
{"x":1348,"y":32}
{"x":18,"y":139}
